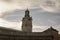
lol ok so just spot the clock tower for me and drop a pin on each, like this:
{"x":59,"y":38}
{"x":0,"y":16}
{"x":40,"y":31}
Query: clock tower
{"x":27,"y":22}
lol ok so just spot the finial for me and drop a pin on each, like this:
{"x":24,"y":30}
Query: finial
{"x":27,"y":9}
{"x":50,"y":26}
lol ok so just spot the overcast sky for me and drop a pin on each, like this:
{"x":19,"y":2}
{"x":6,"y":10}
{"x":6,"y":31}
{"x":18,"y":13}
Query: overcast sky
{"x":45,"y":13}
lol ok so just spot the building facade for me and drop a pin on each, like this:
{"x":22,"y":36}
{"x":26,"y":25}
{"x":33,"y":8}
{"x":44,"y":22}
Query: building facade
{"x":26,"y":33}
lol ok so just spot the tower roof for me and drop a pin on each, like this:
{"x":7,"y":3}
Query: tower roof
{"x":27,"y":10}
{"x":27,"y":13}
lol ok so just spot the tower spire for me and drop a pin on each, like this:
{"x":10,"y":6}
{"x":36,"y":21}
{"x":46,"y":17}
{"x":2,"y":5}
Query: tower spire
{"x":27,"y":13}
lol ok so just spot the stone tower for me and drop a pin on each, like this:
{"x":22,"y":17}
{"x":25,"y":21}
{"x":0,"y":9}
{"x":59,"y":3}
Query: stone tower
{"x":27,"y":22}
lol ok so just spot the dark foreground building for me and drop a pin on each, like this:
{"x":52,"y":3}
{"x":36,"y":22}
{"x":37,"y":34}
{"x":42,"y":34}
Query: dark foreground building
{"x":26,"y":33}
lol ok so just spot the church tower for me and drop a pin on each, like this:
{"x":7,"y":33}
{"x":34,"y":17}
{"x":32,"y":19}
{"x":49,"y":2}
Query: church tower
{"x":27,"y":22}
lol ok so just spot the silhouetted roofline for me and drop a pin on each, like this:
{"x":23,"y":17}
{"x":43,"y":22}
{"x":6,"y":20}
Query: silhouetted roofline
{"x":51,"y":29}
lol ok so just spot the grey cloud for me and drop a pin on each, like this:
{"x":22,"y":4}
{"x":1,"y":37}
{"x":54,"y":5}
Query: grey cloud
{"x":39,"y":18}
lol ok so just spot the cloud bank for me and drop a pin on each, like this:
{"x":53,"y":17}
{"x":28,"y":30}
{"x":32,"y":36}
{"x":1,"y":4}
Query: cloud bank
{"x":47,"y":5}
